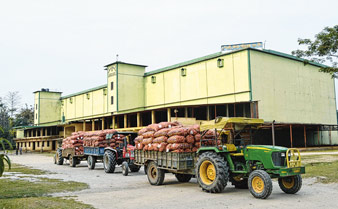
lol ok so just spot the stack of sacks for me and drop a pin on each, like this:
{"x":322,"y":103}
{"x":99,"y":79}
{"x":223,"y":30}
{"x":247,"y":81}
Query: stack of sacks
{"x":75,"y":141}
{"x":209,"y":138}
{"x":98,"y":138}
{"x":169,"y":137}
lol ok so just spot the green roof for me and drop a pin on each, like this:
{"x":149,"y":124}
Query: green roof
{"x":85,"y":91}
{"x":30,"y":127}
{"x":219,"y":54}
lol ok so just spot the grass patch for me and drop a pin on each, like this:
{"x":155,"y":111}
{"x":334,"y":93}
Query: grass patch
{"x":27,"y":170}
{"x":42,"y":203}
{"x":325,"y":172}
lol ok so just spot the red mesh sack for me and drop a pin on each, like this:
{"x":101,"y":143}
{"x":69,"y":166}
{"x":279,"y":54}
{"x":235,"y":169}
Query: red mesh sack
{"x":176,"y":139}
{"x":147,"y":141}
{"x":178,"y":131}
{"x":154,"y":127}
{"x":194,"y":129}
{"x":155,"y":146}
{"x":148,"y":134}
{"x":166,"y":124}
{"x":143,"y":130}
{"x":187,"y":150}
{"x":198,"y":137}
{"x":162,"y":132}
{"x":160,"y":139}
{"x":162,"y":147}
{"x":168,"y":148}
{"x":178,"y":150}
{"x":138,"y":139}
{"x":190,"y":139}
{"x":194,"y":149}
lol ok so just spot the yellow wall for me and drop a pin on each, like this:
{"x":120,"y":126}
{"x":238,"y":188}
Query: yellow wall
{"x":111,"y":77}
{"x":288,"y":91}
{"x":46,"y":107}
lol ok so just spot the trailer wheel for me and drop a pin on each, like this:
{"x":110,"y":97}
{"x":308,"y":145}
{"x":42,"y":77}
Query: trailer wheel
{"x":260,"y":184}
{"x":125,"y":169}
{"x":59,"y":158}
{"x":183,"y":177}
{"x":238,"y":182}
{"x":134,"y":168}
{"x":72,"y":161}
{"x":155,"y":175}
{"x":91,"y":160}
{"x":291,"y":184}
{"x":109,"y":161}
{"x":212,"y":172}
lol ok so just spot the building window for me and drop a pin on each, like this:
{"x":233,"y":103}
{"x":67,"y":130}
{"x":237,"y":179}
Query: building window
{"x":36,"y":116}
{"x":36,"y":106}
{"x":88,"y":96}
{"x":153,"y":79}
{"x":183,"y":72}
{"x":111,"y":85}
{"x":71,"y":100}
{"x":47,"y":143}
{"x":220,"y":63}
{"x":38,"y":144}
{"x":62,"y":103}
{"x":112,"y":100}
{"x":43,"y":144}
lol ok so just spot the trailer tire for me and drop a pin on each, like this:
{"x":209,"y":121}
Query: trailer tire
{"x":155,"y":175}
{"x":291,"y":184}
{"x":109,"y":161}
{"x":72,"y":161}
{"x":59,"y":158}
{"x":125,"y":168}
{"x":145,"y":169}
{"x":134,"y":168}
{"x":212,"y":172}
{"x":91,"y":160}
{"x":183,"y":177}
{"x":260,"y":184}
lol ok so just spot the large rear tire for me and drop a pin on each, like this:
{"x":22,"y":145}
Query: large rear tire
{"x":91,"y":160}
{"x":109,"y":161}
{"x":291,"y":184}
{"x":212,"y":172}
{"x":183,"y":177}
{"x":260,"y":184}
{"x":155,"y":175}
{"x":59,"y":158}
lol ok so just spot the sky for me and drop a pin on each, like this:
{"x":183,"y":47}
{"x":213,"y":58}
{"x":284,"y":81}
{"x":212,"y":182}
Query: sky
{"x":64,"y":44}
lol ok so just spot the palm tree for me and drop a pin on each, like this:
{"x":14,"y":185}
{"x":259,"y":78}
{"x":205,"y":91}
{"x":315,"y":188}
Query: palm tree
{"x":3,"y":157}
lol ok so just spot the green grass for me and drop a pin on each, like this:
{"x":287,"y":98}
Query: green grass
{"x":328,"y":170}
{"x":21,"y":193}
{"x":42,"y":203}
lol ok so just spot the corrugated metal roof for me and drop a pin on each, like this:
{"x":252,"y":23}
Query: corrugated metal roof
{"x":85,"y":91}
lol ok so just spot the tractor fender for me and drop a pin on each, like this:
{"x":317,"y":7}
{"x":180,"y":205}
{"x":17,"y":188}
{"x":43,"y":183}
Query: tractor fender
{"x":207,"y":149}
{"x":111,"y":149}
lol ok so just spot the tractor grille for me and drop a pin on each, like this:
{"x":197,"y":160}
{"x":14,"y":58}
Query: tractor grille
{"x":278,"y":158}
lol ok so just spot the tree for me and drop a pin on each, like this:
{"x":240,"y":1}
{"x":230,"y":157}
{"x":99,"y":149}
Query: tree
{"x":25,"y":117}
{"x":324,"y":49}
{"x":13,"y":102}
{"x":3,"y":157}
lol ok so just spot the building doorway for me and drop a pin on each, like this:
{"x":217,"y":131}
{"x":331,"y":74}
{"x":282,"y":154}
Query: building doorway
{"x":33,"y":146}
{"x":53,"y":145}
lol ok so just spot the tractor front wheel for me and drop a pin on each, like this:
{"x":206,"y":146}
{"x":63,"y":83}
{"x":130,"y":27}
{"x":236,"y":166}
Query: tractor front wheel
{"x":183,"y":177}
{"x":91,"y":160}
{"x":109,"y":161}
{"x":125,"y":168}
{"x":212,"y":172}
{"x":155,"y":175}
{"x":291,"y":184}
{"x":260,"y":184}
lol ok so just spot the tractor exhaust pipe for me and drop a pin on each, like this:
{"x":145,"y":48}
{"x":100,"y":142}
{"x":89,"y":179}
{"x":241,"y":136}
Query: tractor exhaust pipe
{"x":273,"y":132}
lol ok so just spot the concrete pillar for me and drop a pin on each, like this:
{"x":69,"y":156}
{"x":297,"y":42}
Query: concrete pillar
{"x":291,"y":135}
{"x":138,"y":119}
{"x":93,"y":125}
{"x":102,"y":121}
{"x":113,"y":120}
{"x":186,"y":112}
{"x":169,"y":114}
{"x":208,"y":115}
{"x":84,"y":126}
{"x":41,"y":132}
{"x":153,"y":120}
{"x":125,"y":119}
{"x":46,"y":131}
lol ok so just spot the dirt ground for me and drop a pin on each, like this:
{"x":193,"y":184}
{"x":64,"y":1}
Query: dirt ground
{"x":134,"y":191}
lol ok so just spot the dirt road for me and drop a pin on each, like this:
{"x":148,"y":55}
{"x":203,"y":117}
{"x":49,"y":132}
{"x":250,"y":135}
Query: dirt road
{"x":134,"y":191}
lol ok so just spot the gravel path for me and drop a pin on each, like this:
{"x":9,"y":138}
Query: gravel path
{"x":134,"y":191}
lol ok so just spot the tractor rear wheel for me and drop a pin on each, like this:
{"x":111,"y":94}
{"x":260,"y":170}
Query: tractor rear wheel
{"x":91,"y":160}
{"x":183,"y":177}
{"x":72,"y":161}
{"x":260,"y":184}
{"x":212,"y":172}
{"x":155,"y":175}
{"x":109,"y":161}
{"x":239,"y":182}
{"x":291,"y":184}
{"x":59,"y":158}
{"x":125,"y":168}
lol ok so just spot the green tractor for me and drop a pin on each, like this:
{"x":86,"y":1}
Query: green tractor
{"x":233,"y":159}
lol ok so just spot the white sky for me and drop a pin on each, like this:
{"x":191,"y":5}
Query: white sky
{"x":64,"y":44}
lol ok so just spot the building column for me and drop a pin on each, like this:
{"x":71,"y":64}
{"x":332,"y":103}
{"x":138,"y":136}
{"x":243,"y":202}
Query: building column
{"x":46,"y":131}
{"x":318,"y":135}
{"x":113,"y":121}
{"x":125,"y":119}
{"x":291,"y":135}
{"x":41,"y":132}
{"x":185,"y":112}
{"x":208,"y":115}
{"x":153,"y":120}
{"x":84,"y":126}
{"x":102,"y":121}
{"x":169,"y":114}
{"x":305,"y":136}
{"x":93,"y":125}
{"x":138,"y":119}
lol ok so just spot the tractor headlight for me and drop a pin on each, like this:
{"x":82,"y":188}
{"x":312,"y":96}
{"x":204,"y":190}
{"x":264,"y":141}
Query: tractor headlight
{"x":282,"y":154}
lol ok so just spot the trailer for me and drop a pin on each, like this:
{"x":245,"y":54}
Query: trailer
{"x":69,"y":154}
{"x":122,"y":155}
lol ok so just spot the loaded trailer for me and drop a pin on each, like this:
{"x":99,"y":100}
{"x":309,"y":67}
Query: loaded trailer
{"x":68,"y":154}
{"x":122,"y":154}
{"x":233,"y":160}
